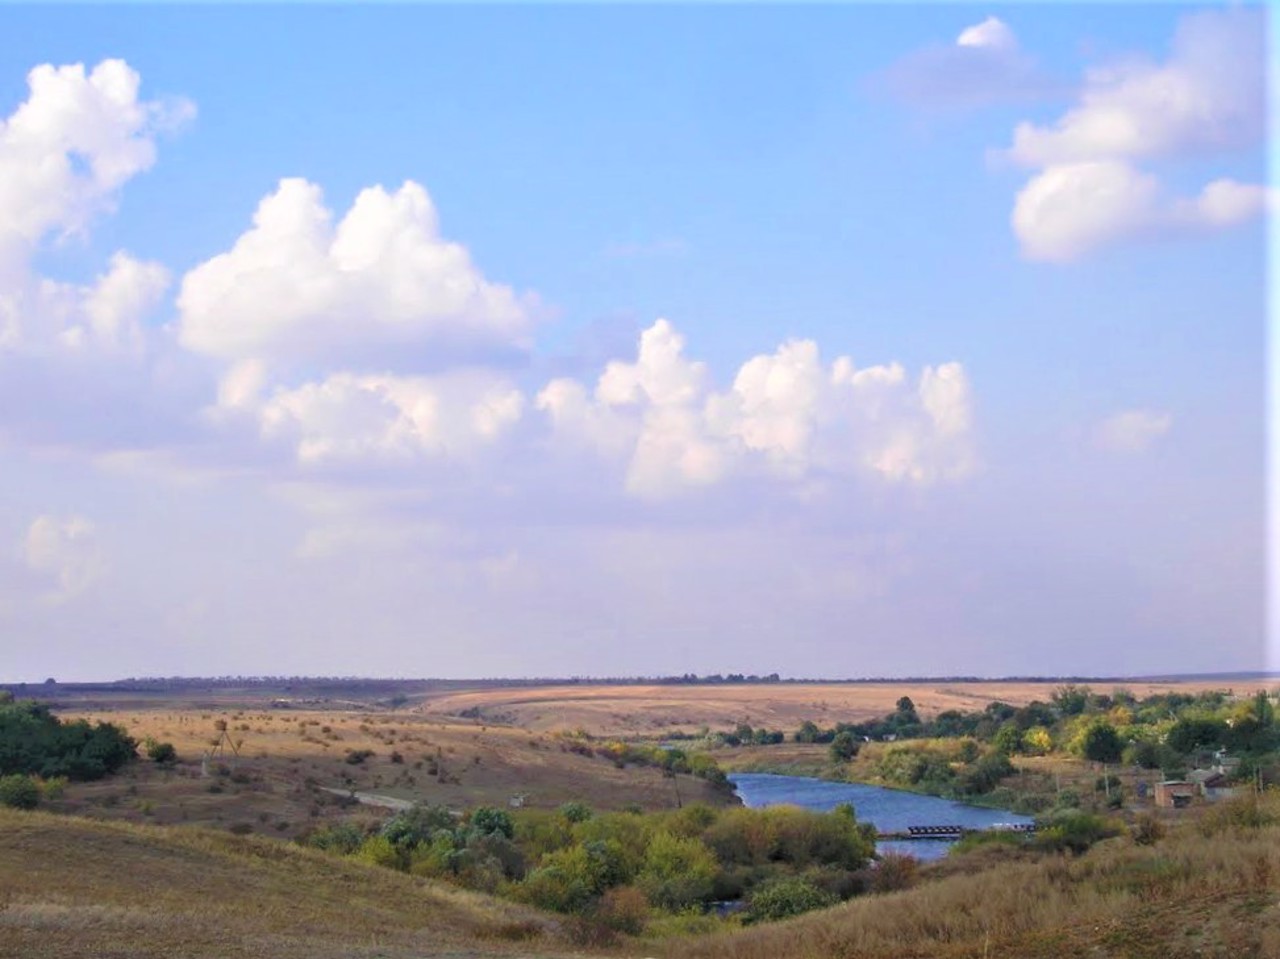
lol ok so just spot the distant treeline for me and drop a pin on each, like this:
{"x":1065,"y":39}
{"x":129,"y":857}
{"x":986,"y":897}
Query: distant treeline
{"x":380,"y":687}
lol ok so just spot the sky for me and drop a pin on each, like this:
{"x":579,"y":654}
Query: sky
{"x":841,"y":341}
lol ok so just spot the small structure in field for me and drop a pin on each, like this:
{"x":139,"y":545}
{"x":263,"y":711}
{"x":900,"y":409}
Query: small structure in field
{"x":1175,"y":793}
{"x":1211,"y":783}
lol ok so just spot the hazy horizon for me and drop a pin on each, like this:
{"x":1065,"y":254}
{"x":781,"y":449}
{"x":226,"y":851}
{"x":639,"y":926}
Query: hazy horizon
{"x":429,"y":341}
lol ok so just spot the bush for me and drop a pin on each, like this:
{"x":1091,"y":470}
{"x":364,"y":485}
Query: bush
{"x":34,"y":742}
{"x":343,"y":838}
{"x":625,"y":909}
{"x":894,"y":872}
{"x":786,"y":897}
{"x":1147,"y":830}
{"x":19,"y":792}
{"x":575,"y":812}
{"x":677,"y":872}
{"x":1074,"y":831}
{"x":161,"y":752}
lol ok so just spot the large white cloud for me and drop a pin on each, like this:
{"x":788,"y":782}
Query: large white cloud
{"x":356,"y":417}
{"x":786,"y":414}
{"x":1072,"y":209}
{"x":1207,"y":97}
{"x":65,"y":152}
{"x":296,"y":286}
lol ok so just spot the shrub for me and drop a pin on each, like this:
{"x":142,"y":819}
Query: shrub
{"x":575,"y":812}
{"x":416,"y":825}
{"x":625,"y":909}
{"x":343,"y":838}
{"x":33,"y":741}
{"x":1147,"y":830}
{"x":677,"y":872}
{"x":894,"y":872}
{"x":485,"y":820}
{"x":160,"y":752}
{"x":19,"y":792}
{"x":53,"y":787}
{"x":1074,"y":831}
{"x":380,"y":851}
{"x":786,"y":897}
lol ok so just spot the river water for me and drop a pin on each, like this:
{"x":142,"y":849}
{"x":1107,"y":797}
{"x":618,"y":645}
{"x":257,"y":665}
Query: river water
{"x":891,"y":810}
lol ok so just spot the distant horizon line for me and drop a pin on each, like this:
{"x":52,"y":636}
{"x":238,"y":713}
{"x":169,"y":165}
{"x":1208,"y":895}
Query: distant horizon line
{"x":711,"y":679}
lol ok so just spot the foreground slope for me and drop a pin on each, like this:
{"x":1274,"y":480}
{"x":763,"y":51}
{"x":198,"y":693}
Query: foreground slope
{"x":1200,"y":893}
{"x":75,"y":887}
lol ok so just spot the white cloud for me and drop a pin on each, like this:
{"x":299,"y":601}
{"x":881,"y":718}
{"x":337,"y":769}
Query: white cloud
{"x":1132,"y":431}
{"x":75,"y":141}
{"x":296,"y":287}
{"x":991,"y":34}
{"x":983,"y":65}
{"x":350,"y":417}
{"x":1088,"y":194}
{"x":1208,"y":96}
{"x":64,"y":155}
{"x":64,"y":549}
{"x":1070,"y":210}
{"x":787,"y":414}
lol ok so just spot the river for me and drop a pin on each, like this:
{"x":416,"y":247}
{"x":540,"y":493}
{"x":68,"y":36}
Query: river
{"x":891,"y":810}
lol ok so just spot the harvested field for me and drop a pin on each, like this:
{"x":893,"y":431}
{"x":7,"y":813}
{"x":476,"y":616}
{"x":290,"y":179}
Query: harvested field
{"x":291,"y":762}
{"x":645,"y":710}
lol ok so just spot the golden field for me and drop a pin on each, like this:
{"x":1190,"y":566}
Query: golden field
{"x":644,"y":710}
{"x":292,"y":764}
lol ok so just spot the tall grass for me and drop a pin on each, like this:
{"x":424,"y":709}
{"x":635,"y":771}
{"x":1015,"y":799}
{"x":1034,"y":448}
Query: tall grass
{"x":1191,"y":894}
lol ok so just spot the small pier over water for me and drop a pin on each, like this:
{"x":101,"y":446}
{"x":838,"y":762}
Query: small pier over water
{"x":952,"y":832}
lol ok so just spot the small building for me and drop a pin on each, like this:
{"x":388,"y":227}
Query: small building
{"x":1175,"y":793}
{"x":1216,"y":786}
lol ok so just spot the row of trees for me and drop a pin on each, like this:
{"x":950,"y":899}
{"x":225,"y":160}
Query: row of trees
{"x":621,"y":867}
{"x":35,"y":742}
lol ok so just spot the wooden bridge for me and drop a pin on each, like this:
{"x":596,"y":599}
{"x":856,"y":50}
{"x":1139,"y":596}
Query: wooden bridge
{"x":954,"y":832}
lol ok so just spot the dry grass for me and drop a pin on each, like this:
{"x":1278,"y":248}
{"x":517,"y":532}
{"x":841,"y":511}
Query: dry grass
{"x":644,"y":710}
{"x":71,"y":887}
{"x":1189,"y":896}
{"x":289,"y":757}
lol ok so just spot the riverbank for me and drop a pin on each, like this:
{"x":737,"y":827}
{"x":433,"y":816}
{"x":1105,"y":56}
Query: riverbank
{"x":851,"y":774}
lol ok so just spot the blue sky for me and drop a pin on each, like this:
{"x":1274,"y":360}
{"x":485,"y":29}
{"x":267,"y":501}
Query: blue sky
{"x":275,"y":457}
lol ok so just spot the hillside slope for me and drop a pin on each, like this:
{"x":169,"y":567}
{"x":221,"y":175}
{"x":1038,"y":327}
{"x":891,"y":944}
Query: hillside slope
{"x":71,"y":887}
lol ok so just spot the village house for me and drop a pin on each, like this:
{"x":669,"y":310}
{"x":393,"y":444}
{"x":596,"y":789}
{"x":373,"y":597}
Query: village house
{"x":1174,"y":793}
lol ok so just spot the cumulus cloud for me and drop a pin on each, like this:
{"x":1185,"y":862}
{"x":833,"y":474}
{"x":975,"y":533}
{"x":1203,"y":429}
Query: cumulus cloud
{"x":1132,"y":431}
{"x":65,"y":152}
{"x":64,"y":549}
{"x":1207,"y":97}
{"x":787,"y":414}
{"x":352,"y":417}
{"x":984,"y":64}
{"x":1072,"y":209}
{"x":295,"y":286}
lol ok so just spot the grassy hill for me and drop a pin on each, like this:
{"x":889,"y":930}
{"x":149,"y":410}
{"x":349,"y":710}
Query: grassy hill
{"x":1208,"y":891}
{"x":76,"y":887}
{"x":73,"y":887}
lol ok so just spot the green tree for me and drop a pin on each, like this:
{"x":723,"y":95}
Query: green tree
{"x":844,"y":747}
{"x":1100,"y":743}
{"x":19,"y":792}
{"x":677,"y":872}
{"x":1008,"y":739}
{"x":788,"y":896}
{"x":1071,"y":699}
{"x":808,"y":732}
